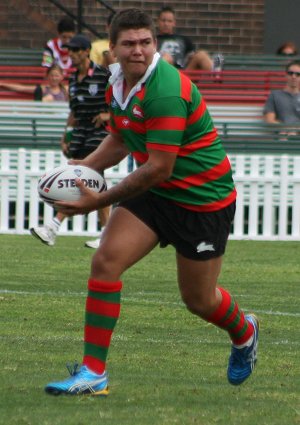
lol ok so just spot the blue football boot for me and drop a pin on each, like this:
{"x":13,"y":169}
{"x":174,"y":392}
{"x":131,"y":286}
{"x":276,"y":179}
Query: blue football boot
{"x":242,"y":360}
{"x":81,"y":381}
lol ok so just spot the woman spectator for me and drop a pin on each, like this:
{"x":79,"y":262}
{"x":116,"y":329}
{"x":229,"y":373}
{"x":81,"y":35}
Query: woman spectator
{"x":52,"y":91}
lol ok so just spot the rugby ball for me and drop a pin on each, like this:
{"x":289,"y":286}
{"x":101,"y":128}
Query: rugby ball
{"x":59,"y":184}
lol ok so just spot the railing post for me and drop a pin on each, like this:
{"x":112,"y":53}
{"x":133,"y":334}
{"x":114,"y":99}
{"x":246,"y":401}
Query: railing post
{"x":20,"y":201}
{"x":79,"y":15}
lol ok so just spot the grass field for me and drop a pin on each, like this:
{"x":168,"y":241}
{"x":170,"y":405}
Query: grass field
{"x":165,"y":365}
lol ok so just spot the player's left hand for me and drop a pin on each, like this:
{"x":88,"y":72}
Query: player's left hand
{"x":89,"y":201}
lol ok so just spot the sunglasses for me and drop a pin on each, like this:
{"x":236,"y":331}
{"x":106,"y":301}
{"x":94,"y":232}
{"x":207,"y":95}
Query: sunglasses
{"x":293,"y":73}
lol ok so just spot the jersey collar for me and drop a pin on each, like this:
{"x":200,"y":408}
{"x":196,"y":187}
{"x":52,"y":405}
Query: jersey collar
{"x":117,"y":79}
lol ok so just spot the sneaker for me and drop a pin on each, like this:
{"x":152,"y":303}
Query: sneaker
{"x":93,"y":244}
{"x":82,"y":381}
{"x":242,"y":360}
{"x":45,"y":234}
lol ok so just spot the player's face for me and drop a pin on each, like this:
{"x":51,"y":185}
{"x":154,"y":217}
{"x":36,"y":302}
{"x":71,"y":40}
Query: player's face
{"x":134,"y":51}
{"x":166,"y":23}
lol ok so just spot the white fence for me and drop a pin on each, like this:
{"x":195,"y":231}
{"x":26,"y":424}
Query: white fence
{"x":268,"y":205}
{"x":20,"y":206}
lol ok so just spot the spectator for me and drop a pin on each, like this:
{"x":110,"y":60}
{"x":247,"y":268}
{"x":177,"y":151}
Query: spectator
{"x":100,"y":52}
{"x":283,"y":106}
{"x":88,"y":117}
{"x":54,"y":52}
{"x":287,"y":49}
{"x":53,"y":91}
{"x":178,"y":49}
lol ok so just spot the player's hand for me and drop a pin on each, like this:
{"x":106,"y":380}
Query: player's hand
{"x":89,"y":201}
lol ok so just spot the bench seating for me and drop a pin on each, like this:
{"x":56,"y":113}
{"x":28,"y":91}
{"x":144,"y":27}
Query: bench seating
{"x":230,"y":112}
{"x":44,"y":131}
{"x":267,"y":62}
{"x":219,"y":112}
{"x":33,"y":57}
{"x":32,"y":124}
{"x":21,"y":56}
{"x":40,"y":125}
{"x":35,"y":107}
{"x":258,"y":137}
{"x":31,"y":130}
{"x":252,"y":87}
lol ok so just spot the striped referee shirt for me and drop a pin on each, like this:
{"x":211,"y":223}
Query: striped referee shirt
{"x":87,"y":97}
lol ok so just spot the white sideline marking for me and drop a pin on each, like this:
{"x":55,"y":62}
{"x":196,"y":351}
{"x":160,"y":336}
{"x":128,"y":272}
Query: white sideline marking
{"x":132,"y":299}
{"x":124,"y":338}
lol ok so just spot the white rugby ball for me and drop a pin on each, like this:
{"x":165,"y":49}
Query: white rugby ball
{"x":59,"y":184}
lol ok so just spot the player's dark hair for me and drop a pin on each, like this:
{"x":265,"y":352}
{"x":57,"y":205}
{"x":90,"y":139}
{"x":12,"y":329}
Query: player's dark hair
{"x":66,"y":25}
{"x":130,"y":19}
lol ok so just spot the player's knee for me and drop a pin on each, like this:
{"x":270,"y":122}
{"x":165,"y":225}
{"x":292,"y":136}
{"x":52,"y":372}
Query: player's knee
{"x":102,"y":264}
{"x":200,"y":306}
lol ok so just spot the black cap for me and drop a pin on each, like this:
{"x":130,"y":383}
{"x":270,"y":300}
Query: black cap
{"x":79,"y":41}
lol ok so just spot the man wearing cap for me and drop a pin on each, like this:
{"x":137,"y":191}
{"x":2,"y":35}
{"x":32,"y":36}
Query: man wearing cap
{"x":88,"y":118}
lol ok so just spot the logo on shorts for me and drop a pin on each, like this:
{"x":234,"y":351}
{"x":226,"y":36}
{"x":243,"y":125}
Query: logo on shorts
{"x":203,"y":246}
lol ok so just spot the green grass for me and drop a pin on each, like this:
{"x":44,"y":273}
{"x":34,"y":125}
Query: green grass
{"x":165,"y":365}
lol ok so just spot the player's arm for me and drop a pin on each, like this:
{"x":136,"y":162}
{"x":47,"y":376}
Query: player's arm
{"x":157,"y":169}
{"x":154,"y":171}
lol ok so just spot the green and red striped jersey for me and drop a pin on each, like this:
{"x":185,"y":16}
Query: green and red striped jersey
{"x":169,"y":114}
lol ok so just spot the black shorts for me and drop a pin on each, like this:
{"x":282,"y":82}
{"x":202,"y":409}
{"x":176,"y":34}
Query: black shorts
{"x":195,"y":235}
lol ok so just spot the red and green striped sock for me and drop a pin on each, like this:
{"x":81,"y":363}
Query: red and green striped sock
{"x":102,"y":312}
{"x":228,"y":316}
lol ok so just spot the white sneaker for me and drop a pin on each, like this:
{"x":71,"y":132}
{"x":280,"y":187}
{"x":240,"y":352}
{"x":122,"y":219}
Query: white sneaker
{"x":45,"y":234}
{"x":93,"y":244}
